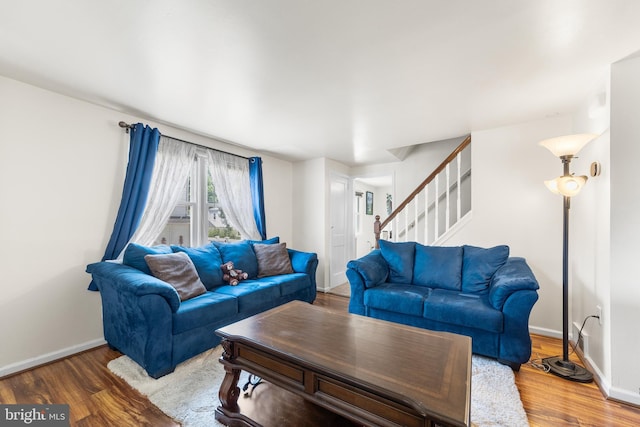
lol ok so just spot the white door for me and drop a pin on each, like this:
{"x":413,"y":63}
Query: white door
{"x":339,"y":214}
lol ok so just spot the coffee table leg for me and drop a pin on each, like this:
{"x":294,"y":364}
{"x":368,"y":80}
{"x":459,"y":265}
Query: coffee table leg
{"x":229,"y":390}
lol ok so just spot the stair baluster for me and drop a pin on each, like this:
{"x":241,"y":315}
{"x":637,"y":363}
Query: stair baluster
{"x":398,"y":231}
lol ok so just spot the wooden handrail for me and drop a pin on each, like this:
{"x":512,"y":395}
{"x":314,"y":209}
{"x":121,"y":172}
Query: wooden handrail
{"x":379,"y":226}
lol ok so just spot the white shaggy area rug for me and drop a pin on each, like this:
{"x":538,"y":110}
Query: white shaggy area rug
{"x":189,"y":395}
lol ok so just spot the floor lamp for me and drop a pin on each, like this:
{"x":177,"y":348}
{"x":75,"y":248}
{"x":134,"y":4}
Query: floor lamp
{"x":567,"y":185}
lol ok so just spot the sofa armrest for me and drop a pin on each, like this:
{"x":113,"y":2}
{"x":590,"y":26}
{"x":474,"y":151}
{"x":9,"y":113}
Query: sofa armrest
{"x":513,"y":276}
{"x":137,"y":314}
{"x":372,"y":268}
{"x":128,"y":280}
{"x":365,"y":272}
{"x":303,"y":262}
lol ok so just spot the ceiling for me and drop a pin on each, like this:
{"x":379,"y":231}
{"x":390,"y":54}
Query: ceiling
{"x":350,"y":80}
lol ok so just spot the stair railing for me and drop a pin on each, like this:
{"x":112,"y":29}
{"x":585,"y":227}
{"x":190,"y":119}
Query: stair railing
{"x":403,"y":227}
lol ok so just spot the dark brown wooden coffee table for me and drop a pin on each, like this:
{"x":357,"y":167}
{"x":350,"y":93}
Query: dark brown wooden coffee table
{"x":369,"y":371}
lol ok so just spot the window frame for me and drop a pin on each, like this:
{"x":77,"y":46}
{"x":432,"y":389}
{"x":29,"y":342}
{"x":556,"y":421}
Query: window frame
{"x":198,"y":203}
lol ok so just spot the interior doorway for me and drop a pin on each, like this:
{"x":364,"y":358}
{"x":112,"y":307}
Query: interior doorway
{"x":373,"y":195}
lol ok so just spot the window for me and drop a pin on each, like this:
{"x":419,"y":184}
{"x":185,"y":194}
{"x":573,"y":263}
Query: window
{"x":197,"y":217}
{"x":358,"y":212}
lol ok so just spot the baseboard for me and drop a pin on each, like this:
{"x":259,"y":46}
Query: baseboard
{"x":545,"y":332}
{"x":624,"y":396}
{"x":49,"y":357}
{"x":327,"y":289}
{"x":609,"y":392}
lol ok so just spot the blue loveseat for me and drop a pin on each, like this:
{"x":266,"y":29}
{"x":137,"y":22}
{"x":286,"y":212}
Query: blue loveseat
{"x":149,"y":320}
{"x":479,"y":292}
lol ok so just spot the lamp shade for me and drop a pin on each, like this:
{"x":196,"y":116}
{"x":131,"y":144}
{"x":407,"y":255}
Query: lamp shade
{"x":552,"y":185}
{"x":571,"y":185}
{"x":567,"y":145}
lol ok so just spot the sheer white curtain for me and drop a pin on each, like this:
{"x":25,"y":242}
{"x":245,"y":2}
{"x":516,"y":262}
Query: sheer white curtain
{"x":231,"y":180}
{"x":170,"y":173}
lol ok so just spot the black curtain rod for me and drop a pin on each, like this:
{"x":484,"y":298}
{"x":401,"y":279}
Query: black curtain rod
{"x":127,"y":126}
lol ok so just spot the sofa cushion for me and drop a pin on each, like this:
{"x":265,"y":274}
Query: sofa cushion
{"x":399,"y":298}
{"x":178,"y":270}
{"x":400,"y":258}
{"x":207,"y":260}
{"x":457,"y":308}
{"x":210,"y":307}
{"x":273,"y":259}
{"x":438,"y":267}
{"x":241,"y":254}
{"x":271,"y":241}
{"x":479,"y":265}
{"x":253,"y":295}
{"x":288,"y":283}
{"x":134,"y":255}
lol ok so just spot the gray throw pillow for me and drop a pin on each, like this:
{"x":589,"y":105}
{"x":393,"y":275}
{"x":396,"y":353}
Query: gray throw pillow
{"x":178,"y":270}
{"x":273,"y":259}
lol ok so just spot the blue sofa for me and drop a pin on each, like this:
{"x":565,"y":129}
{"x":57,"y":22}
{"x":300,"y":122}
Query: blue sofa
{"x":479,"y":292}
{"x":147,"y":319}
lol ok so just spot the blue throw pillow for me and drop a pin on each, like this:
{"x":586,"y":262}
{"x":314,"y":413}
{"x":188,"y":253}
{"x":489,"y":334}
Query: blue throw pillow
{"x":134,"y":255}
{"x":271,"y":241}
{"x":241,"y":254}
{"x":207,"y":261}
{"x":399,"y":257}
{"x":438,"y":267}
{"x":479,"y":265}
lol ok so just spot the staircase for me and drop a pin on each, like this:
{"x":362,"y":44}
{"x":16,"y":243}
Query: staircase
{"x":441,"y":203}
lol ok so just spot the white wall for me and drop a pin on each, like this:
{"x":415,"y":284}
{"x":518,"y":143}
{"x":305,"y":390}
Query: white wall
{"x":62,"y":165}
{"x":311,"y":214}
{"x":512,"y":206}
{"x":590,"y":234}
{"x":310,"y":211}
{"x":409,"y":173}
{"x":624,"y":314}
{"x":278,"y":195}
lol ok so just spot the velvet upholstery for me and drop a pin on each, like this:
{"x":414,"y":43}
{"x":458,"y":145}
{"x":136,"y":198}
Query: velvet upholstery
{"x":134,"y":255}
{"x":397,"y":297}
{"x":241,"y":254}
{"x":207,"y":261}
{"x":372,"y":272}
{"x":514,"y":275}
{"x":144,"y":318}
{"x":468,"y":310}
{"x":485,"y":294}
{"x":269,"y":241}
{"x":400,"y":260}
{"x":479,"y":265}
{"x":438,"y":266}
{"x":198,"y":311}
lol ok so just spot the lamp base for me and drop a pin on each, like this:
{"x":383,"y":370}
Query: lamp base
{"x":567,"y":370}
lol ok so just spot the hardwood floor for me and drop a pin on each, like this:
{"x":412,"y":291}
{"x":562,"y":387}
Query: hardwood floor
{"x":98,"y":398}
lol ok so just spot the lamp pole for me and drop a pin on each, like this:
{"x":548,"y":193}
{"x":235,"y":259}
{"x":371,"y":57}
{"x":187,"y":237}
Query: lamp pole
{"x":563,"y":367}
{"x":566,"y":205}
